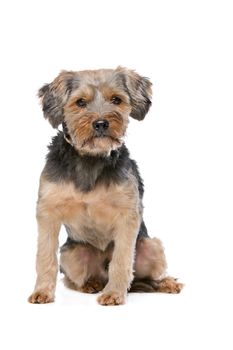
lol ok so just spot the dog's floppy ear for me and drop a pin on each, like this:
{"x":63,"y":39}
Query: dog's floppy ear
{"x":139,"y":91}
{"x":54,"y":96}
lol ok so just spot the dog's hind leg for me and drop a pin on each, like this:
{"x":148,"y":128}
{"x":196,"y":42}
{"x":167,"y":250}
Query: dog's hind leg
{"x":150,"y":269}
{"x":84,"y":266}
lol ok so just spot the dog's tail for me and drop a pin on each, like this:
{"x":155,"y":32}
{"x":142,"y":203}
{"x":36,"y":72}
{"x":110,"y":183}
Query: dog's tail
{"x":165,"y":285}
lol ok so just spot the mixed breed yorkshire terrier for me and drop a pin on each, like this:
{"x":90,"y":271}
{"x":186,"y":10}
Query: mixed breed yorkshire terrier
{"x":91,"y":186}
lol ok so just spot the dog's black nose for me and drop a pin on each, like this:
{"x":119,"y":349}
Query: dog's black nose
{"x":100,"y":125}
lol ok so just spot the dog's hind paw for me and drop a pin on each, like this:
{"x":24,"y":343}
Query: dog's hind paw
{"x":169,"y":285}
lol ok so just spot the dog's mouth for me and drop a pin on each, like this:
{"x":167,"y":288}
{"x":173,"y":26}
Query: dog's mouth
{"x":99,"y":145}
{"x":104,"y":136}
{"x":100,"y":139}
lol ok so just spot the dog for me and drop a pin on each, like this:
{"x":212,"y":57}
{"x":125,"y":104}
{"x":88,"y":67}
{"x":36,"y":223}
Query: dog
{"x":91,"y":186}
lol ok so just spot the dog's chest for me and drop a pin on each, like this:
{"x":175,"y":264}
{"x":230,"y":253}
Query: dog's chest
{"x":90,"y":216}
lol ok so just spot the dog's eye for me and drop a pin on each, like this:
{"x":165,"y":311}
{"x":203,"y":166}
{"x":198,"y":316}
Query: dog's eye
{"x":81,"y":103}
{"x":116,"y":100}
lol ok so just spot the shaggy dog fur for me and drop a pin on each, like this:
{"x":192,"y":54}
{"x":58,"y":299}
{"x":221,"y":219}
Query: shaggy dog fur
{"x":91,"y":186}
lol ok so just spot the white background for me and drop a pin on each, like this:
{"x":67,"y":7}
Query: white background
{"x":183,"y":148}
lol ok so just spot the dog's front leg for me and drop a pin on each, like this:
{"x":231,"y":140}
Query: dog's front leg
{"x":46,"y":262}
{"x":121,"y":266}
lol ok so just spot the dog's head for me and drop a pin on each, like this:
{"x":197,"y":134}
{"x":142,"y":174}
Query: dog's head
{"x":94,"y":106}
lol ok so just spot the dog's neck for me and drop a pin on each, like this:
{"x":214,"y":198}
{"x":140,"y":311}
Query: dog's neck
{"x":64,"y":163}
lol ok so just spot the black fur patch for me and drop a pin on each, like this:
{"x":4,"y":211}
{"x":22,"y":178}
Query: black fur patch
{"x":143,"y":231}
{"x":65,"y":164}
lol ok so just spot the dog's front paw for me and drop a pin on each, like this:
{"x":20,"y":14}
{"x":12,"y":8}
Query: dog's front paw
{"x":111,"y":298}
{"x":41,"y":297}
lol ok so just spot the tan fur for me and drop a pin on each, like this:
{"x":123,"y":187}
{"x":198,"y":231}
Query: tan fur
{"x":84,"y":262}
{"x":85,"y":268}
{"x":150,"y":259}
{"x":93,"y":215}
{"x":46,"y":265}
{"x":98,"y":217}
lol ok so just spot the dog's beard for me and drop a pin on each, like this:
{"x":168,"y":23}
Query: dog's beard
{"x":88,"y":141}
{"x":98,"y":145}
